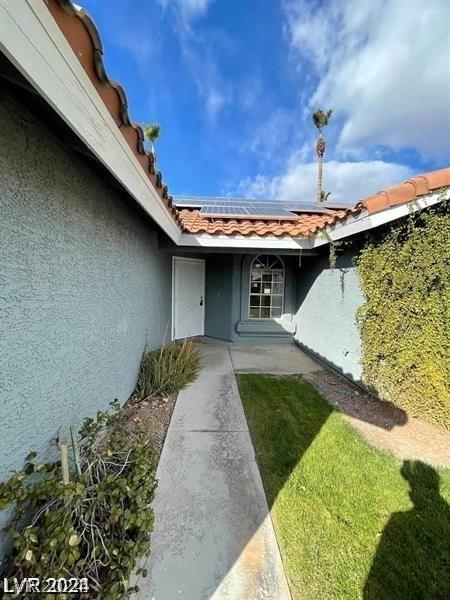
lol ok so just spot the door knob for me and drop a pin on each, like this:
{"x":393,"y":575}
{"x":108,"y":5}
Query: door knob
{"x":201,"y":300}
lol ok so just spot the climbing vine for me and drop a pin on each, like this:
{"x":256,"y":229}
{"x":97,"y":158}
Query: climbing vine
{"x":405,"y":320}
{"x":335,"y":247}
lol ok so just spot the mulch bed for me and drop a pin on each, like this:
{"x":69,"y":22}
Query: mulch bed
{"x":154,"y":414}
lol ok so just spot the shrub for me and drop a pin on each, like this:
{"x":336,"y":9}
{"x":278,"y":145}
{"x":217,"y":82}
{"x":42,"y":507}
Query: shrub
{"x":95,"y":526}
{"x":168,"y":370}
{"x":405,"y":321}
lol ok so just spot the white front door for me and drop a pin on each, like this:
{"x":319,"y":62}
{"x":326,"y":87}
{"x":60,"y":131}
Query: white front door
{"x":188,"y":297}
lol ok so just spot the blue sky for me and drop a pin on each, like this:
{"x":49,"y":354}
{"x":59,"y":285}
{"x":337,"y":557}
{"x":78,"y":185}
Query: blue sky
{"x":233,"y":84}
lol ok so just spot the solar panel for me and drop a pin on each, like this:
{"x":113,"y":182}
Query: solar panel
{"x":339,"y":205}
{"x":250,"y":207}
{"x":223,"y":210}
{"x":308,"y":207}
{"x":189,"y":202}
{"x":247,"y":211}
{"x":273,"y":211}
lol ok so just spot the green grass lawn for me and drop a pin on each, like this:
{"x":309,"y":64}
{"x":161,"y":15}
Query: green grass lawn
{"x":352,"y":522}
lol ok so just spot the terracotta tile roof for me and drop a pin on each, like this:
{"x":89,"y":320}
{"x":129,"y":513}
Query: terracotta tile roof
{"x":406,"y":192}
{"x":82,"y":35}
{"x":81,"y":32}
{"x":306,"y":224}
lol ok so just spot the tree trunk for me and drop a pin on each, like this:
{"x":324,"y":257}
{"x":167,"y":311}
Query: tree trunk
{"x":320,"y":148}
{"x":319,"y":178}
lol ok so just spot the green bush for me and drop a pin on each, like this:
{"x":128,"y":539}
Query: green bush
{"x":168,"y":370}
{"x":97,"y":525}
{"x":405,"y":321}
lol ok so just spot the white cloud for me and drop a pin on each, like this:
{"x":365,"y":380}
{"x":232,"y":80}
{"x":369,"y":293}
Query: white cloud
{"x":384,"y":65}
{"x":215,"y":97}
{"x":190,"y":9}
{"x":348,"y":182}
{"x":250,"y":92}
{"x":212,"y":87}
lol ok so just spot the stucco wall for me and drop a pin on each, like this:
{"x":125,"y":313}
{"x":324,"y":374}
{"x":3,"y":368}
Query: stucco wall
{"x":327,"y":301}
{"x":219,"y":294}
{"x":84,"y":288}
{"x":227,"y":301}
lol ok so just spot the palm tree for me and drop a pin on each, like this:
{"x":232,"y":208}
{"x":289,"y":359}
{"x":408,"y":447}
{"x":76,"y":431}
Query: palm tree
{"x":320,"y":120}
{"x":151,"y":134}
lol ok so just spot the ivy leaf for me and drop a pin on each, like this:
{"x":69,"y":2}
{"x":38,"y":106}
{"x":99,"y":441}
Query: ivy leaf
{"x":74,"y":540}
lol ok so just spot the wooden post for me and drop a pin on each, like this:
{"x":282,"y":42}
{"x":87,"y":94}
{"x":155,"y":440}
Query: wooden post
{"x":76,"y":450}
{"x":64,"y":463}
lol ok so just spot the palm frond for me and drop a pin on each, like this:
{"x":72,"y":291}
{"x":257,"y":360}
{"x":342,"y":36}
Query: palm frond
{"x":320,"y":118}
{"x":152,"y":132}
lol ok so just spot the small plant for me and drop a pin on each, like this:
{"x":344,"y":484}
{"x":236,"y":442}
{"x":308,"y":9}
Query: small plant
{"x":168,"y":370}
{"x":335,"y":247}
{"x":92,"y":522}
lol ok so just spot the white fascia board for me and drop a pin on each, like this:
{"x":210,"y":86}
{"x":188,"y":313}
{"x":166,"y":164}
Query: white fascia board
{"x":31,"y":39}
{"x":365,"y":220}
{"x":241,"y":241}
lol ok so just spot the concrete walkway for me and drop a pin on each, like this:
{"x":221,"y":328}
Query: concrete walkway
{"x":213,"y":535}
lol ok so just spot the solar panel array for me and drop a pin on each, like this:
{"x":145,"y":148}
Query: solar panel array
{"x":247,"y":211}
{"x":248,"y":208}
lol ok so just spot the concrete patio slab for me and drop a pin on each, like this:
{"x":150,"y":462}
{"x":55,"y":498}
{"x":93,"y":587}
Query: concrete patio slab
{"x":213,"y":535}
{"x":277,"y":359}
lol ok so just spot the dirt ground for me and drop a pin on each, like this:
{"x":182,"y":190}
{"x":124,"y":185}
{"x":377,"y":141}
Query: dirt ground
{"x":382,"y":424}
{"x":154,"y":414}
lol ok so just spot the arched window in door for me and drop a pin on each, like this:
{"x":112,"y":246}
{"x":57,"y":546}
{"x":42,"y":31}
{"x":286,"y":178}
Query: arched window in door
{"x":266,"y":295}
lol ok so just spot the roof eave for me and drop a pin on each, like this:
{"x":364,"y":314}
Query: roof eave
{"x":34,"y":43}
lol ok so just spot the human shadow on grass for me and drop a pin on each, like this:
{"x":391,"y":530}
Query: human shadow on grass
{"x":413,"y":557}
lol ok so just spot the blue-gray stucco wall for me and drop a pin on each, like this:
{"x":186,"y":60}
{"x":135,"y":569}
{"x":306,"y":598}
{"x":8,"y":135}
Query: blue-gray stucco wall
{"x":218,"y":296}
{"x":227,"y":301}
{"x":84,"y":288}
{"x":327,"y":302}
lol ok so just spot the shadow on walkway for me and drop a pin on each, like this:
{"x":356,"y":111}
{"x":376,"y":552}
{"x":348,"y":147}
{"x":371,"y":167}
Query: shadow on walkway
{"x":413,"y":556}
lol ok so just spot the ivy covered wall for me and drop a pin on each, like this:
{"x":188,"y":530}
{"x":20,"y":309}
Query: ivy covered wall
{"x":405,"y":319}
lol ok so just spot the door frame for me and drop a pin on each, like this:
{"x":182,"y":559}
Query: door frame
{"x":185,"y":259}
